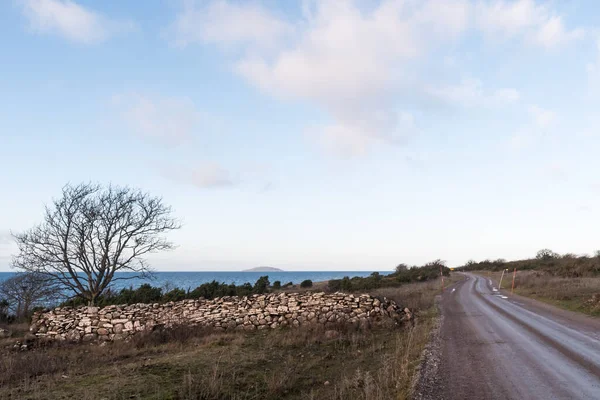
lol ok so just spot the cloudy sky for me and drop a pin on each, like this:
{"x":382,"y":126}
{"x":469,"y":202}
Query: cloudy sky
{"x":331,"y":134}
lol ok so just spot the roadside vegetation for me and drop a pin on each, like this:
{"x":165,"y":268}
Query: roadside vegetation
{"x":403,"y":274}
{"x":568,"y":281}
{"x":92,"y":232}
{"x":147,"y":293}
{"x":341,"y":362}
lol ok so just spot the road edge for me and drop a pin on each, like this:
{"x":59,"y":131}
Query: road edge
{"x":426,"y":378}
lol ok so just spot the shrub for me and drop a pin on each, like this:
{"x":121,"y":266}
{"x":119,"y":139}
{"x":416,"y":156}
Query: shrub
{"x":244,"y":290}
{"x":277,"y":285}
{"x":144,"y":294}
{"x":346,"y":283}
{"x":306,"y":283}
{"x":567,"y":266}
{"x":401,"y":268}
{"x":334,"y":285}
{"x":261,"y":285}
{"x":546,"y":254}
{"x":288,"y":284}
{"x":175,"y":295}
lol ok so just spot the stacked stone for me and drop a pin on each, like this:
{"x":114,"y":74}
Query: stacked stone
{"x":247,"y":313}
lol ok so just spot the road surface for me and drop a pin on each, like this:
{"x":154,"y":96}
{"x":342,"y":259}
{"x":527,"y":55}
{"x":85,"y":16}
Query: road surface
{"x":493,"y":346}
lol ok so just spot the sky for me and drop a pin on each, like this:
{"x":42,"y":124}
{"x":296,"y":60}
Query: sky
{"x":312,"y":135}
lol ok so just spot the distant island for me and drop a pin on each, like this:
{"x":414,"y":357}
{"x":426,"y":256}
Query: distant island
{"x":263,"y":269}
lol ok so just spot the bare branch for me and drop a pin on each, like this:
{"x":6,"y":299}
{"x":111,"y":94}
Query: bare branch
{"x":91,"y":233}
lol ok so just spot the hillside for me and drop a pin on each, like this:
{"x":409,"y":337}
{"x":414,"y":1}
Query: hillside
{"x":546,"y":261}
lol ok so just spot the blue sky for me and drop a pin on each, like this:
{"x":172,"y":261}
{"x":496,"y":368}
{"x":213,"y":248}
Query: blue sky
{"x":312,"y":134}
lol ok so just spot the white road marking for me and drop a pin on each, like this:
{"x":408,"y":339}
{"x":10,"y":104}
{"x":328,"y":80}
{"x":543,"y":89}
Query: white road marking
{"x":494,"y":289}
{"x":504,"y":297}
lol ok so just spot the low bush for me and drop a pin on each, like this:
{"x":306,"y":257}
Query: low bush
{"x":401,"y":276}
{"x":150,"y":294}
{"x":547,"y":261}
{"x":306,"y":283}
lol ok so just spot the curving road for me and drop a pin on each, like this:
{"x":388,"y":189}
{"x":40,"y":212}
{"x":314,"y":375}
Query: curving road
{"x":503,"y":347}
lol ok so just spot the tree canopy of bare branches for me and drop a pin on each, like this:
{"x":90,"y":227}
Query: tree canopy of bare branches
{"x":93,"y":232}
{"x":25,"y":291}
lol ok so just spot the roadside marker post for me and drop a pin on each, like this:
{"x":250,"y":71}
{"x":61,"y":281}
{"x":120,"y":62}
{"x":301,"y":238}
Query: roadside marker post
{"x":442,"y":275}
{"x":513,"y":284}
{"x":502,"y":276}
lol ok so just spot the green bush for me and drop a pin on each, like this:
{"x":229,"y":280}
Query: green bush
{"x":288,"y":284}
{"x":175,"y":295}
{"x":334,"y":285}
{"x":306,"y":283}
{"x":144,"y":294}
{"x":261,"y":285}
{"x":277,"y":285}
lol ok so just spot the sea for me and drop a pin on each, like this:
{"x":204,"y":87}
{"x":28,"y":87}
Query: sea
{"x":192,"y":279}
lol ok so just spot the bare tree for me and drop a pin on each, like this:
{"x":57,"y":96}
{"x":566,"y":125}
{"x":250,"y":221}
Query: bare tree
{"x":91,"y":233}
{"x":25,"y":291}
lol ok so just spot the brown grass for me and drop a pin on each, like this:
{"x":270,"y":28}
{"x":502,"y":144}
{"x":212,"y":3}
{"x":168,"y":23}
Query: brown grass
{"x":417,"y":296}
{"x":575,"y":294}
{"x":343,"y":362}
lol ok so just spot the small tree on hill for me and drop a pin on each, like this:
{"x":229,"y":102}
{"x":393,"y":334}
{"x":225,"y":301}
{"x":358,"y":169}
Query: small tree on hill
{"x":261,"y":285}
{"x":91,"y":233}
{"x":545,"y":254}
{"x":401,"y":268}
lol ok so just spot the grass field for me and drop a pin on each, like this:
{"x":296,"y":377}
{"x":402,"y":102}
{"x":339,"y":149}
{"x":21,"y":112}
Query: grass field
{"x":575,"y":294}
{"x":304,"y":363}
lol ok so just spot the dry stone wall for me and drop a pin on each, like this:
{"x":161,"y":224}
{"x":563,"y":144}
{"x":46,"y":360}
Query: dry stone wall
{"x":245,"y":313}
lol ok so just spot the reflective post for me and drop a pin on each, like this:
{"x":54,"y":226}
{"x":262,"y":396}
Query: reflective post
{"x":442,"y":275}
{"x":513,"y":284}
{"x":502,"y":276}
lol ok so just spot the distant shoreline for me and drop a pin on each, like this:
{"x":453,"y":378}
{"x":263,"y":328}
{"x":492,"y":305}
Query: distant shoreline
{"x":263,"y":269}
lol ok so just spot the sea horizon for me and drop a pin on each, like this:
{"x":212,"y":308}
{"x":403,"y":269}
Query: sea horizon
{"x":192,"y":279}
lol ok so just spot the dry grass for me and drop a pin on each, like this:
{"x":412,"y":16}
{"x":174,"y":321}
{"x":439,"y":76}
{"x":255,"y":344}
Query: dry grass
{"x":417,"y":296}
{"x":576,"y":294}
{"x":343,"y":362}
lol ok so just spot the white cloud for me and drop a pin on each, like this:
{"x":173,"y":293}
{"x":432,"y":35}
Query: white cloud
{"x":204,"y":175}
{"x":171,"y":120}
{"x":361,"y":63}
{"x":210,"y":175}
{"x":347,"y":60}
{"x":552,"y":33}
{"x":471,"y":93}
{"x":72,"y":21}
{"x":528,"y":19}
{"x":228,"y":24}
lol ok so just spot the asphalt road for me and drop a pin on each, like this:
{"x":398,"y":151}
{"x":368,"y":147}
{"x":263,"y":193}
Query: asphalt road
{"x":503,"y":347}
